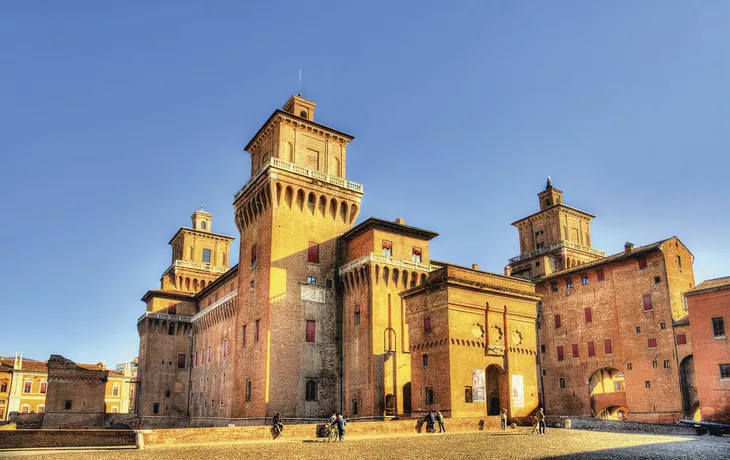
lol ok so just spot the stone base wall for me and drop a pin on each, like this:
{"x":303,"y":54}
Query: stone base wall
{"x":354,"y":428}
{"x":594,"y":424}
{"x":26,"y":421}
{"x":65,"y":420}
{"x":15,"y":439}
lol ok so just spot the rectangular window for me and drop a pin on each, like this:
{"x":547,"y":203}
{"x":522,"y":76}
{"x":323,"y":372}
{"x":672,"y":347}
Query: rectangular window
{"x":256,"y":332}
{"x":354,"y":407}
{"x":617,"y":386}
{"x":681,"y":339}
{"x":591,"y":349}
{"x":243,"y":334}
{"x":642,"y":263}
{"x":310,"y":330}
{"x":171,"y":329}
{"x":560,"y":353}
{"x":718,"y":327}
{"x":181,"y":358}
{"x":427,"y":323}
{"x":44,"y":387}
{"x":248,"y":390}
{"x":657,"y":280}
{"x":647,"y":302}
{"x":544,"y":372}
{"x":662,"y":326}
{"x":557,"y":322}
{"x":387,"y":248}
{"x":629,"y":366}
{"x":424,"y":358}
{"x":27,"y":387}
{"x":225,"y":347}
{"x":588,"y":315}
{"x":197,"y":355}
{"x":328,"y":283}
{"x":652,"y":343}
{"x":313,"y":253}
{"x":311,"y":280}
{"x":725,"y":371}
{"x":607,"y":347}
{"x":357,"y":315}
{"x":542,"y":348}
{"x":562,"y":382}
{"x":253,"y":284}
{"x":647,"y":384}
{"x":569,"y":283}
{"x":67,"y":404}
{"x":416,"y":255}
{"x":666,"y":364}
{"x":576,"y":351}
{"x":600,"y":275}
{"x":584,"y":279}
{"x":310,"y":390}
{"x":655,"y":364}
{"x":155,"y":408}
{"x":554,"y":287}
{"x":679,"y":262}
{"x":468,"y":395}
{"x":540,"y":245}
{"x":429,"y":395}
{"x":638,"y":329}
{"x":253,"y":255}
{"x":209,"y":353}
{"x":206,"y":256}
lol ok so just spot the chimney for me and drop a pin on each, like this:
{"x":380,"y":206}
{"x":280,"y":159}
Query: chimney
{"x":400,"y":221}
{"x":474,"y":266}
{"x":507,"y":271}
{"x":18,"y":364}
{"x":628,"y":247}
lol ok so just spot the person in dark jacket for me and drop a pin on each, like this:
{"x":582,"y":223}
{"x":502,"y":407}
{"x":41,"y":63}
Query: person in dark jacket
{"x":278,"y":423}
{"x":341,"y":424}
{"x":440,"y":419}
{"x":540,"y":421}
{"x":430,"y":422}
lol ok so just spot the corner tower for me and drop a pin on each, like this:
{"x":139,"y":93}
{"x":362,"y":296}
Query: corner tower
{"x":555,"y":238}
{"x":290,"y":213}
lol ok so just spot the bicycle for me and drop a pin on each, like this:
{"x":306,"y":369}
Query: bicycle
{"x":277,"y":430}
{"x":330,"y":433}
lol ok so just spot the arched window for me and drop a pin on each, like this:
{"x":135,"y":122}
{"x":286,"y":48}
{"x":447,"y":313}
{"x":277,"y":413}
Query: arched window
{"x":115,"y":409}
{"x":203,"y":225}
{"x":41,"y":409}
{"x":115,"y":390}
{"x":303,"y":114}
{"x":24,"y":409}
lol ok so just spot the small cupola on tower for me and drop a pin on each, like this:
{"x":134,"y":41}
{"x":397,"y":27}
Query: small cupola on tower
{"x":202,"y":220}
{"x":300,"y":107}
{"x":550,"y":196}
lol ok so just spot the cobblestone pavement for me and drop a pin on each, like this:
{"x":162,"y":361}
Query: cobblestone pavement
{"x":518,"y":444}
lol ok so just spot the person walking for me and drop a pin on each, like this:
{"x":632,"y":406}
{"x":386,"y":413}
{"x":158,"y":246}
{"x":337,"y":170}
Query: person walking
{"x":533,"y":422}
{"x":430,"y":422}
{"x":278,"y":424}
{"x":541,"y":421}
{"x":440,"y":419}
{"x":341,"y":424}
{"x":503,"y":416}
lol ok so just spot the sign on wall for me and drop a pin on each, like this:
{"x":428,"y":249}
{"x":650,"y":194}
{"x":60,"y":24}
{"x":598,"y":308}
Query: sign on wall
{"x":313,"y":293}
{"x":518,"y":391}
{"x":479,"y":393}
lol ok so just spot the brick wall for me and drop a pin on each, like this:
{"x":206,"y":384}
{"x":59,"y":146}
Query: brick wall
{"x":16,"y":439}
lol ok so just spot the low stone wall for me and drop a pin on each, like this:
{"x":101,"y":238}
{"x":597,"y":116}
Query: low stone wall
{"x":26,"y":421}
{"x":15,"y":439}
{"x":249,"y":433}
{"x":75,"y":421}
{"x":121,"y":421}
{"x":595,"y":424}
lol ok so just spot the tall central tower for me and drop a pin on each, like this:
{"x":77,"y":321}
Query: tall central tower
{"x":290,"y":215}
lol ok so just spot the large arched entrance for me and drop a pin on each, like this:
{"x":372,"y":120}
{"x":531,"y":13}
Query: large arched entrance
{"x":608,"y":394}
{"x":690,"y":400}
{"x":496,"y":389}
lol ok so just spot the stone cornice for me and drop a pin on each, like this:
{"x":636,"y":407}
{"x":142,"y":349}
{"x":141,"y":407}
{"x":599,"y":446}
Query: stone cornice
{"x":280,"y":116}
{"x":561,"y":208}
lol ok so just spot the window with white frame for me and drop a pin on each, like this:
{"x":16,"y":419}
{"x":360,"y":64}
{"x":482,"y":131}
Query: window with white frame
{"x":24,"y":409}
{"x":115,"y":409}
{"x":40,"y":409}
{"x":115,"y":389}
{"x":27,"y":386}
{"x":44,"y":387}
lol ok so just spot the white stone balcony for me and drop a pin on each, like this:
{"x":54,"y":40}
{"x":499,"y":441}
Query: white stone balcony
{"x":194,"y":266}
{"x":560,"y":245}
{"x":164,"y":317}
{"x":214,"y":306}
{"x":291,"y":167}
{"x":386,"y":260}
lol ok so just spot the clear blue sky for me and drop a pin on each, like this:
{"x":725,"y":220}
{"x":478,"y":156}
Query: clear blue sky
{"x":118,"y":121}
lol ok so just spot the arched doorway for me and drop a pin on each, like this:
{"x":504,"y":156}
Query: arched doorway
{"x":496,"y":389}
{"x":389,"y":405}
{"x":608,"y":394}
{"x":690,"y":400}
{"x":407,"y":397}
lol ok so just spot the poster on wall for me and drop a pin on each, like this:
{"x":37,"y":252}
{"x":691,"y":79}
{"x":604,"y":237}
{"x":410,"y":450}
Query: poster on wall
{"x":478,"y":387}
{"x":518,"y":391}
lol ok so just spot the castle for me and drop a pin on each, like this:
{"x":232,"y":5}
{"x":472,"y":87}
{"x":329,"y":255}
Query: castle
{"x":321,"y":315}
